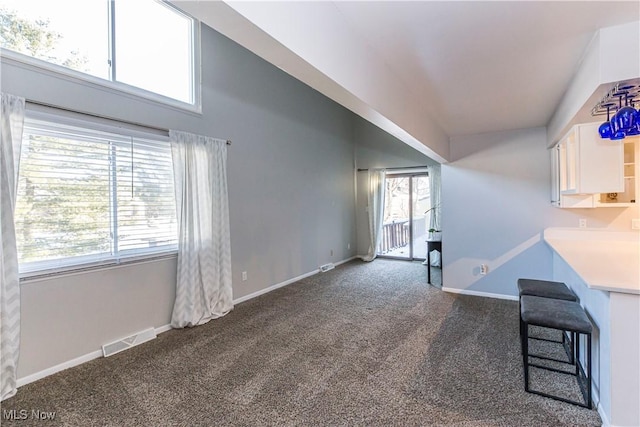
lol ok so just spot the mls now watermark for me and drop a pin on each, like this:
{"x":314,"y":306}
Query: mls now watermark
{"x":24,"y":414}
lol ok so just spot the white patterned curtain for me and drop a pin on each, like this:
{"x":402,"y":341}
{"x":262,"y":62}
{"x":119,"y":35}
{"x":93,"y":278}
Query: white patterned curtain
{"x":12,"y":120}
{"x":435,"y":189}
{"x":375,"y":203}
{"x":203,"y":289}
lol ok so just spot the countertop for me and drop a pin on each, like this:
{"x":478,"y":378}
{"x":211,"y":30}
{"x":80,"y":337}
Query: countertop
{"x":605,"y":260}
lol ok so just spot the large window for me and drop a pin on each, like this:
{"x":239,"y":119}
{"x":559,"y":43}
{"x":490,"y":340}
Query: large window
{"x":92,"y":197}
{"x":144,"y":44}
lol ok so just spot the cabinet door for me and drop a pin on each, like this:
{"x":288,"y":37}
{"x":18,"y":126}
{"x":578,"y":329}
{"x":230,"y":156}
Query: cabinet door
{"x":627,"y":197}
{"x":567,"y":163}
{"x":562,"y":165}
{"x":571,"y":163}
{"x":600,"y":162}
{"x":589,"y":164}
{"x":555,"y":175}
{"x":560,"y":198}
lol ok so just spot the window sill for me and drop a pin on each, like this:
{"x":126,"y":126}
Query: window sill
{"x":38,"y":276}
{"x":36,"y":65}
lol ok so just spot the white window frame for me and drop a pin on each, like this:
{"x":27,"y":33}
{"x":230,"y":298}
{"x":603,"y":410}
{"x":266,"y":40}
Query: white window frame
{"x":47,"y":268}
{"x":48,"y":68}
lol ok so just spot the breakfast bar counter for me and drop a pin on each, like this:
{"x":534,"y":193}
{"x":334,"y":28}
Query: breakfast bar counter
{"x":606,"y":260}
{"x":603,"y":268}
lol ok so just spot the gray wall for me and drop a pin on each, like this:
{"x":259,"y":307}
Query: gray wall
{"x":495,"y":205}
{"x":291,"y":187}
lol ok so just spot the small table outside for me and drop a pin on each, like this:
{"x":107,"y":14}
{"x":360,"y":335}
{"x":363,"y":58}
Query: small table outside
{"x":432,"y":245}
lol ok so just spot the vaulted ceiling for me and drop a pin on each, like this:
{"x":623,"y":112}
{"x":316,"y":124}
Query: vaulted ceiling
{"x":426,"y":70}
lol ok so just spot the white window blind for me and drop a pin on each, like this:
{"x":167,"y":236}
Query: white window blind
{"x":87,"y":197}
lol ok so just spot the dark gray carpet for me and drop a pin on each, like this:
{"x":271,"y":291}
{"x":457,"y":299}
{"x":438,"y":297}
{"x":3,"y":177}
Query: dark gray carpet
{"x":364,"y":344}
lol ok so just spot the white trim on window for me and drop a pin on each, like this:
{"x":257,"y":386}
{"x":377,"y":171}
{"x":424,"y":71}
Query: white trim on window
{"x":53,"y":70}
{"x":37,"y":113}
{"x":48,"y":123}
{"x":36,"y":276}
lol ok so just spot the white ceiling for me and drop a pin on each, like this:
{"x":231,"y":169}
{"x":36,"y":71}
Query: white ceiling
{"x":426,"y":71}
{"x":485,"y":66}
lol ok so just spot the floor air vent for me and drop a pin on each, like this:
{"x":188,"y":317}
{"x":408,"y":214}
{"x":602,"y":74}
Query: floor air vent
{"x":327,"y":267}
{"x":128,"y":342}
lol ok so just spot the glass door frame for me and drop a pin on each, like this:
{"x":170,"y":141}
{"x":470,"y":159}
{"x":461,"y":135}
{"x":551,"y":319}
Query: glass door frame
{"x":406,"y":174}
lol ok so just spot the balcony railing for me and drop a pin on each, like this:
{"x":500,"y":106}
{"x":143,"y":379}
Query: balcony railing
{"x":395,"y":234}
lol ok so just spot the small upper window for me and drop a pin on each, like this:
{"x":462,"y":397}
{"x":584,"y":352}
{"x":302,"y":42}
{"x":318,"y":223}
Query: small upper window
{"x":147,"y":44}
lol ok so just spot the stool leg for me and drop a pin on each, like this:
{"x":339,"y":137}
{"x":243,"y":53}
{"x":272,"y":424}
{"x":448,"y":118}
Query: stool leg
{"x":573,"y":348}
{"x":577,"y":355}
{"x":521,"y":345}
{"x":571,"y":351}
{"x":520,"y":316}
{"x":589,"y":402}
{"x":522,"y":328}
{"x":525,"y":354}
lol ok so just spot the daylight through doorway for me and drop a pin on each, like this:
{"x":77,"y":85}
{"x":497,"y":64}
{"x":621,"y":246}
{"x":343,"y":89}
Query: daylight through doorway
{"x":406,"y":216}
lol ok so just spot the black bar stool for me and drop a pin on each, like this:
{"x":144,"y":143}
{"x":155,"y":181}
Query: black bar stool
{"x":549,"y":289}
{"x":545,"y":289}
{"x":565,"y":316}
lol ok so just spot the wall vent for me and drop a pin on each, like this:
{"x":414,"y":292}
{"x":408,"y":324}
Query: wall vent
{"x":327,"y":267}
{"x":128,"y":342}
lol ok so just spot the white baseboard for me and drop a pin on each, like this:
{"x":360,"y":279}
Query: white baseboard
{"x":162,"y":329}
{"x":285,"y":283}
{"x":273,"y":287}
{"x":345,"y":260}
{"x":480,"y":294}
{"x":61,"y":367}
{"x":71,"y":363}
{"x":596,"y":403}
{"x":603,"y":416}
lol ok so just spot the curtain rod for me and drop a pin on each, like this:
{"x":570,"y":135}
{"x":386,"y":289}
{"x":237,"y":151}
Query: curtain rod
{"x":43,"y":104}
{"x":400,"y":168}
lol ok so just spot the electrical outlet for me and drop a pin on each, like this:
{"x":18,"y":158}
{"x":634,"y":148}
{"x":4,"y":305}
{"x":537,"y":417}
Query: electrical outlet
{"x":582,"y":223}
{"x":348,"y":246}
{"x":483,"y":269}
{"x":331,"y":252}
{"x":244,"y":276}
{"x":635,"y":224}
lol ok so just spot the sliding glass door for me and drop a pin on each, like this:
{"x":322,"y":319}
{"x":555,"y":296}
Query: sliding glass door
{"x":405,"y":222}
{"x":420,"y":204}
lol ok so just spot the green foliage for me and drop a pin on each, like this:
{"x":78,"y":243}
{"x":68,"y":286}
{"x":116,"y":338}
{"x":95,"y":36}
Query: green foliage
{"x":50,"y":221}
{"x":35,"y":39}
{"x":66,"y":206}
{"x":22,"y":35}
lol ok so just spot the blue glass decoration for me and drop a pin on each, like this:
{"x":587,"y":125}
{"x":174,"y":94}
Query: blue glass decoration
{"x":605,"y":128}
{"x":618,"y":135}
{"x":623,"y":120}
{"x":636,"y":129}
{"x":616,"y":132}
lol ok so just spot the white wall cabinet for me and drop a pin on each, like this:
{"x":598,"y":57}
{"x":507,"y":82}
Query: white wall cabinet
{"x":590,"y":164}
{"x":627,"y":197}
{"x":588,"y":171}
